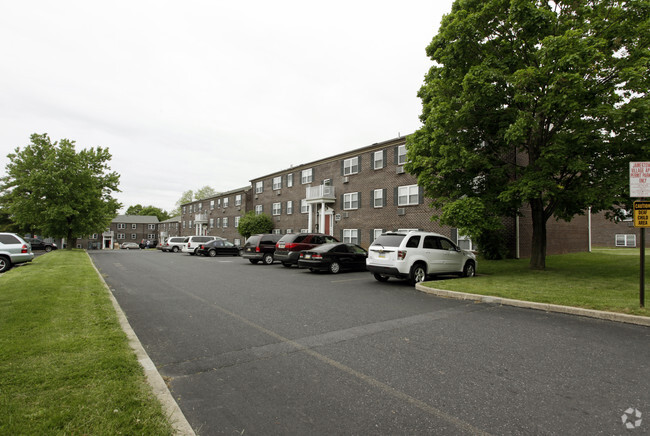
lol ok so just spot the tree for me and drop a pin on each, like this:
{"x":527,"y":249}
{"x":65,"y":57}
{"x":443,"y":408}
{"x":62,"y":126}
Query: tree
{"x":533,"y":103}
{"x":252,"y":224}
{"x":138,"y":209}
{"x":51,"y":188}
{"x":204,"y":192}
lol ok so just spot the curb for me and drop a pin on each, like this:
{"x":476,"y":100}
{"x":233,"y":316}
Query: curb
{"x":178,"y":421}
{"x":546,"y":307}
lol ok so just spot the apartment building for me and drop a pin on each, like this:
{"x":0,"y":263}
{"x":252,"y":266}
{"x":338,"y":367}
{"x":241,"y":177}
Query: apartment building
{"x":168,"y":228}
{"x":123,"y":228}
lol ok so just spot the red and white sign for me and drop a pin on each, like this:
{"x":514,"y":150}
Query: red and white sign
{"x":639,"y":179}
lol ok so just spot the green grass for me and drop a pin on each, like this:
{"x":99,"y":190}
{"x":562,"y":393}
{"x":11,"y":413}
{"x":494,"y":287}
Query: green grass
{"x":65,"y":364}
{"x":605,"y":279}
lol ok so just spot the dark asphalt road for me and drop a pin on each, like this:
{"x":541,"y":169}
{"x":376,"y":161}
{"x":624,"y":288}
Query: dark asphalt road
{"x":261,"y":350}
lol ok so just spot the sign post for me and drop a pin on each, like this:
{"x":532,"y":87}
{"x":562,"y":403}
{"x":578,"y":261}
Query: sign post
{"x":640,"y":188}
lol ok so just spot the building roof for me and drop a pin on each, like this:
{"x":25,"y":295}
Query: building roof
{"x":174,"y":219}
{"x":136,"y":219}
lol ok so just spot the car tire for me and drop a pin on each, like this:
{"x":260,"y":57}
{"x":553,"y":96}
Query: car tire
{"x":418,"y":274}
{"x":253,"y":261}
{"x":5,"y":264}
{"x":175,"y":249}
{"x":267,"y":259}
{"x":212,"y":253}
{"x":469,"y":270}
{"x":380,"y":278}
{"x":286,"y":264}
{"x":335,"y":267}
{"x":48,"y":249}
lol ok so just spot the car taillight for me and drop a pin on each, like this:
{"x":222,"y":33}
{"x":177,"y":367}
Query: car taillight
{"x":290,"y":246}
{"x":201,"y":247}
{"x":316,"y":256}
{"x":189,"y":244}
{"x":401,"y":254}
{"x":24,"y":249}
{"x":257,"y":249}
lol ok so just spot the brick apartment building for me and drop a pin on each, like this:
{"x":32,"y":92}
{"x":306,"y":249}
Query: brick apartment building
{"x":123,"y":228}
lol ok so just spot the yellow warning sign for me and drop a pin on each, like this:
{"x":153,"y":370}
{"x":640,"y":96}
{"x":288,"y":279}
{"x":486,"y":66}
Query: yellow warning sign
{"x":642,"y":214}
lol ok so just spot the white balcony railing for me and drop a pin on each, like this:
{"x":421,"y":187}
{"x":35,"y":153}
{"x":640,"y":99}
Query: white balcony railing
{"x":321,"y":193}
{"x":201,"y":218}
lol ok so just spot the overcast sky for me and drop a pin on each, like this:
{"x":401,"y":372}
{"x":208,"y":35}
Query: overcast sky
{"x":199,"y":92}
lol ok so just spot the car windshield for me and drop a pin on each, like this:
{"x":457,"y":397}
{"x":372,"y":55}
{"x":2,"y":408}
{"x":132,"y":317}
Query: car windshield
{"x":389,"y":240}
{"x":253,"y":240}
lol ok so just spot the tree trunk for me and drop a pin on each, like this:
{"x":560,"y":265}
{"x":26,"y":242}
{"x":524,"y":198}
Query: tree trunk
{"x":538,"y":249}
{"x":70,"y":241}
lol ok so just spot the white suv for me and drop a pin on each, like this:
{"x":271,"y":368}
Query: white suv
{"x":13,"y":250}
{"x":192,"y":243}
{"x":414,"y":255}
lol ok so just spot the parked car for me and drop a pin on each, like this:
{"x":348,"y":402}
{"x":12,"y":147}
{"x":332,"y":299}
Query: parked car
{"x":334,"y":257}
{"x":191,"y":243}
{"x":173,"y":244}
{"x":415,"y":255}
{"x":39,"y":244}
{"x":148,"y":243}
{"x":261,"y":247}
{"x":288,"y":248}
{"x":14,"y":250}
{"x":130,"y":245}
{"x":219,"y":247}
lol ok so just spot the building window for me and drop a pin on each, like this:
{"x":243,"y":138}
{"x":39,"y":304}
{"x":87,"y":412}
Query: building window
{"x":237,"y":241}
{"x":258,"y":209}
{"x":289,"y":180}
{"x":277,"y":231}
{"x":289,"y":231}
{"x":94,"y":236}
{"x":200,"y":207}
{"x":218,"y":223}
{"x":120,"y":236}
{"x":134,"y":226}
{"x":351,"y":166}
{"x":211,"y":223}
{"x":218,"y":203}
{"x":277,"y":183}
{"x":121,"y":226}
{"x":378,"y":160}
{"x":351,"y":236}
{"x":625,"y":240}
{"x":401,"y":155}
{"x":211,"y":204}
{"x":237,"y":218}
{"x":377,"y":233}
{"x":277,"y":208}
{"x":259,"y":187}
{"x":307,"y":176}
{"x":238,"y":200}
{"x":183,"y":209}
{"x":226,"y":202}
{"x":304,"y":230}
{"x":183,"y":224}
{"x":289,"y":207}
{"x":379,"y":200}
{"x":189,"y":224}
{"x":133,"y":236}
{"x":351,"y":201}
{"x":304,"y":208}
{"x":151,"y":236}
{"x":224,"y":222}
{"x":152,"y":227}
{"x":408,"y":195}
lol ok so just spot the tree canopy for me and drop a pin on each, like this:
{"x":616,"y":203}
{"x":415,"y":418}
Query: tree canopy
{"x":138,"y":209}
{"x":533,"y":104}
{"x":51,"y":188}
{"x":252,"y":224}
{"x":189,"y":196}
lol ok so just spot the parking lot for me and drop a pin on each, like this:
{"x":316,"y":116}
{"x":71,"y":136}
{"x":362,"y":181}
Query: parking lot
{"x":255,"y":349}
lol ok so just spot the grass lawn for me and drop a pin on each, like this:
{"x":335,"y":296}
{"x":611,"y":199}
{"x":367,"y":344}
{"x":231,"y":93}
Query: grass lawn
{"x":605,"y":279}
{"x":65,"y":363}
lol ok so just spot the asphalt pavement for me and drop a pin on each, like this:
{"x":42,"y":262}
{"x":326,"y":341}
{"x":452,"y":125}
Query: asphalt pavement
{"x":255,"y":349}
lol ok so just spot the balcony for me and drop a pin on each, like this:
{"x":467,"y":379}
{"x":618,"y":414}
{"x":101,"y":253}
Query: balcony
{"x":321,"y":194}
{"x":108,"y":234}
{"x":201,"y":218}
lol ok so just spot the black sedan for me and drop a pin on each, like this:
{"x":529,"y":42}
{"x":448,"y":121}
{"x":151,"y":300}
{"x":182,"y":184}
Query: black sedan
{"x":39,"y":244}
{"x":334,"y":257}
{"x":217,"y":247}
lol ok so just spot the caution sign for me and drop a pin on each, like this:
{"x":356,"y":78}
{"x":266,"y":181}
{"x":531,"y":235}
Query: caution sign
{"x":642,"y":214}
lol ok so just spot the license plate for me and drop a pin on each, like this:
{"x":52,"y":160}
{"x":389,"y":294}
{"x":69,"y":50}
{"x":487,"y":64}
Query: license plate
{"x":381,"y":255}
{"x":307,"y":256}
{"x":281,"y":245}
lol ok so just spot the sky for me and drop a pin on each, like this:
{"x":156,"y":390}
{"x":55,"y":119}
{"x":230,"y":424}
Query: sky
{"x":195,"y":93}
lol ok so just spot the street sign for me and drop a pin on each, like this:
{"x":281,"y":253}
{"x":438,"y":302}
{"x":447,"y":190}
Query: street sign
{"x":642,"y":214}
{"x":639,"y":179}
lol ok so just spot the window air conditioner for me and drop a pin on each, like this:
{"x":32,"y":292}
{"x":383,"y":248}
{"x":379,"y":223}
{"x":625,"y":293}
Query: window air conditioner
{"x":401,"y":211}
{"x":400,"y":170}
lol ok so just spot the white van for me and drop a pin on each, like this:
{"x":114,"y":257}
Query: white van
{"x":191,"y":243}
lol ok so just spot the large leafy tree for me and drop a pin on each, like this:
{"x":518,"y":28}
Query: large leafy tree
{"x":52,"y":188}
{"x":535,"y":104}
{"x":252,"y":224}
{"x":138,"y":209}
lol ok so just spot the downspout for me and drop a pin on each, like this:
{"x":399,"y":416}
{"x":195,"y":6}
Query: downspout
{"x":589,"y":230}
{"x":517,"y":236}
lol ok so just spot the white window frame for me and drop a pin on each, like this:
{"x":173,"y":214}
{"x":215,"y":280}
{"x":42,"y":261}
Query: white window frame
{"x":134,"y":226}
{"x":121,"y":226}
{"x":625,"y":240}
{"x":259,"y":209}
{"x":304,"y":207}
{"x":351,"y":236}
{"x":289,"y":209}
{"x":378,"y":195}
{"x":224,"y":222}
{"x":289,"y":231}
{"x":351,"y":201}
{"x":381,"y":164}
{"x":307,"y":176}
{"x":276,"y":208}
{"x":152,"y":227}
{"x":237,"y":218}
{"x":134,"y":236}
{"x":226,"y":202}
{"x":211,"y":204}
{"x":351,"y":166}
{"x":277,"y":183}
{"x":238,"y":200}
{"x":289,"y":180}
{"x":406,"y":192}
{"x":259,"y":187}
{"x":401,"y":155}
{"x":121,"y":236}
{"x":151,"y":236}
{"x":212,"y":223}
{"x":277,"y":231}
{"x":376,"y":233}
